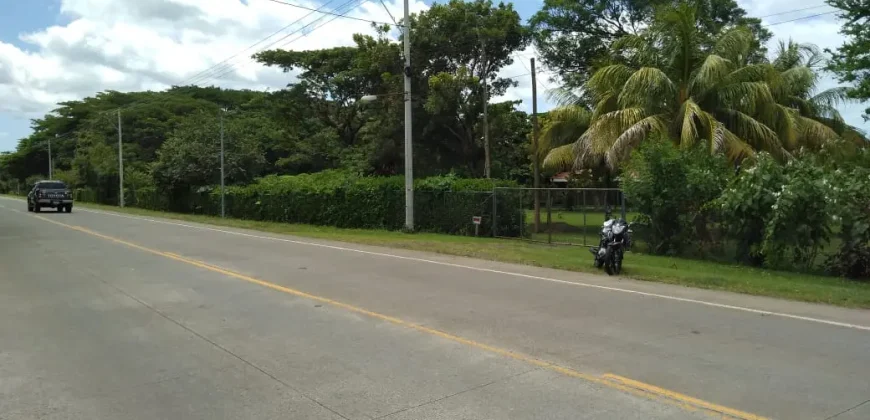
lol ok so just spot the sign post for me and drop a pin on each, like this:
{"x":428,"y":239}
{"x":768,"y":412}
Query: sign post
{"x":476,"y":220}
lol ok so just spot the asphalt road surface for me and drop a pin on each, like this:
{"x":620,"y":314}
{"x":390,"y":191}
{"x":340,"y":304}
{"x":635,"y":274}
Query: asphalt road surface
{"x":108,"y":316}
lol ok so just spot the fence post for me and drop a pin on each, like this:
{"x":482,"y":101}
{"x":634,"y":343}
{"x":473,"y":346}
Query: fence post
{"x":584,"y":218}
{"x":494,"y":212}
{"x":549,"y":218}
{"x":622,"y":193}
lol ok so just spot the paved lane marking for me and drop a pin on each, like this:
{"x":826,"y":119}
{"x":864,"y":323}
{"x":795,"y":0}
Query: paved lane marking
{"x":623,"y":384}
{"x":506,"y":273}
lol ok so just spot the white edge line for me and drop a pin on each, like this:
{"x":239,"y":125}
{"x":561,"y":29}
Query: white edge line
{"x":507,"y":273}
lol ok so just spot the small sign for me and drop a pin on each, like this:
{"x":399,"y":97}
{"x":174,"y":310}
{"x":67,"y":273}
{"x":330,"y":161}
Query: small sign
{"x":475,"y":220}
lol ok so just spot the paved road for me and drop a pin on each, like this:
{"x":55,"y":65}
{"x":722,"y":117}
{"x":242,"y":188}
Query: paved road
{"x":107,"y":316}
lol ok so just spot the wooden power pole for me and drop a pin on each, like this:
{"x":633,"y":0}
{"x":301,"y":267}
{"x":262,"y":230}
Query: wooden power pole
{"x":535,"y":154}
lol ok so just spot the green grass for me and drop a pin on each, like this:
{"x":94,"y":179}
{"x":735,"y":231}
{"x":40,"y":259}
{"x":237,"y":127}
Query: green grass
{"x":692,"y":273}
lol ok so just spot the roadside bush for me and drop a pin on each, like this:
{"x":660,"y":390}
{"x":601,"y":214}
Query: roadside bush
{"x":799,"y":223}
{"x":670,"y":188}
{"x":850,"y":205}
{"x":747,"y":203}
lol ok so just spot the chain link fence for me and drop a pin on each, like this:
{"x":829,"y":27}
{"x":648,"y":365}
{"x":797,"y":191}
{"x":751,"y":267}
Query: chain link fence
{"x":571,"y":216}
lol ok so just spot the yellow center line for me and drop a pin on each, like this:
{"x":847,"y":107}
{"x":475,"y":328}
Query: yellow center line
{"x":609,"y":380}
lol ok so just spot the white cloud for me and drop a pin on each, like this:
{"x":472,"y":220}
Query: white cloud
{"x":131,"y":45}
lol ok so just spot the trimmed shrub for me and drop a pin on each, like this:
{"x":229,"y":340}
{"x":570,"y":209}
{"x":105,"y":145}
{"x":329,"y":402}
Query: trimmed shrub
{"x":443,"y":204}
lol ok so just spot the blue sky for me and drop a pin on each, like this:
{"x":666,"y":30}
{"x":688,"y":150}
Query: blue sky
{"x":144,"y":44}
{"x":19,"y":17}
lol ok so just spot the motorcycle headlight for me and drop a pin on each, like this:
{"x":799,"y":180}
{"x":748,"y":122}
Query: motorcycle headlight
{"x":618,"y":229}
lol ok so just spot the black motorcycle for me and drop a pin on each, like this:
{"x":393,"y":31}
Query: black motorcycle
{"x":615,"y":238}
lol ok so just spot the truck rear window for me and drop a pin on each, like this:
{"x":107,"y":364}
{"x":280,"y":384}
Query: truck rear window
{"x":51,"y":186}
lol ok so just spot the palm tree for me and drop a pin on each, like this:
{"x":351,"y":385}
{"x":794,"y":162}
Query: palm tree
{"x":562,"y":127}
{"x":665,"y":82}
{"x":814,"y":112}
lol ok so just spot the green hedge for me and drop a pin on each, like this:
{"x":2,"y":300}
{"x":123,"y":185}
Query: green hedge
{"x":443,"y":204}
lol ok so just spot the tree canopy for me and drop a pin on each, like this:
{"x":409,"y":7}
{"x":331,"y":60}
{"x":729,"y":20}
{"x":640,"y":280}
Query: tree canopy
{"x":851,"y":62}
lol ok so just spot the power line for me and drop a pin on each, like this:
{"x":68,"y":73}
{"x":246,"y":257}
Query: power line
{"x":792,"y":11}
{"x":336,"y":14}
{"x":226,"y":69}
{"x":258,"y":42}
{"x":389,"y":13}
{"x":802,"y":18}
{"x":349,"y":5}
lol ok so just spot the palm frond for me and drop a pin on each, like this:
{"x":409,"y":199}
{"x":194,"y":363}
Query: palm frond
{"x":746,"y":97}
{"x":564,"y":125}
{"x":712,"y":72}
{"x":752,"y":73}
{"x":632,"y":136}
{"x":648,"y":87}
{"x":603,"y":132}
{"x":637,"y":49}
{"x":688,"y":131}
{"x":608,"y":80}
{"x":814,"y":133}
{"x":734,"y":44}
{"x":725,"y":141}
{"x":559,"y":159}
{"x":606,"y":104}
{"x":754,"y":132}
{"x":832,"y":97}
{"x":798,"y":81}
{"x":785,"y":125}
{"x":565,"y":96}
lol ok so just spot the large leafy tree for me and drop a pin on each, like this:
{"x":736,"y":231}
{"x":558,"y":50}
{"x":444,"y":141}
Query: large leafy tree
{"x":851,"y":62}
{"x":191,"y":155}
{"x":333,"y":80}
{"x":574,"y":37}
{"x":456,"y":48}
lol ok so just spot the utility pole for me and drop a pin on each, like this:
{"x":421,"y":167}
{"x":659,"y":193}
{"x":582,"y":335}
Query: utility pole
{"x":487,"y":163}
{"x":409,"y":157}
{"x":535,"y":153}
{"x":50,"y":166}
{"x":120,"y":161}
{"x":223,"y":203}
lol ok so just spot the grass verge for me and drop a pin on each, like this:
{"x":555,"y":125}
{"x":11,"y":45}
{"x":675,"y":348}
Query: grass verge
{"x":686,"y":272}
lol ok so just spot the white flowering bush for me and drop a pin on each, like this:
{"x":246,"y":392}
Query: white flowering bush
{"x":799,"y":223}
{"x":849,"y":198}
{"x":748,"y":203}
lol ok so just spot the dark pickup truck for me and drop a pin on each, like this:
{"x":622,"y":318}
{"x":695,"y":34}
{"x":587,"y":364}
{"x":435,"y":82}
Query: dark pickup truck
{"x":53,"y":194}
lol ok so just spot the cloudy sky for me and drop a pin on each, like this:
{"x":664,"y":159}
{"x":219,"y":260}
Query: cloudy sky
{"x":57,"y":50}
